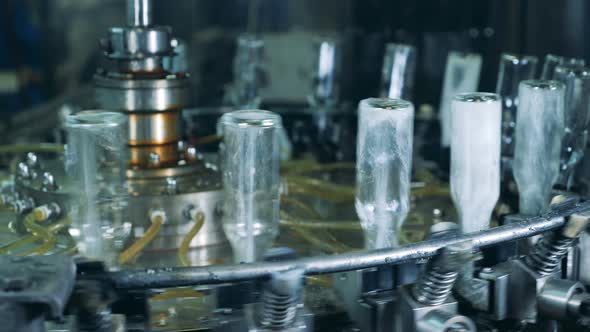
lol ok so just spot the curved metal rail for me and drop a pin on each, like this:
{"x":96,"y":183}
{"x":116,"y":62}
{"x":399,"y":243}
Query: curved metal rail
{"x":216,"y":274}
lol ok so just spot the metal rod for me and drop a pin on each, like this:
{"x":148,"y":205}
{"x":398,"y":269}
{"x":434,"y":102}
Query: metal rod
{"x":139,"y":13}
{"x":216,"y":274}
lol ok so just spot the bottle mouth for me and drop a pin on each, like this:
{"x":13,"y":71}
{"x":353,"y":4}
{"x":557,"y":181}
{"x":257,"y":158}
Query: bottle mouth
{"x":252,"y":118}
{"x":95,"y":119}
{"x":543,"y":84}
{"x":387,"y":103}
{"x":478,"y":97}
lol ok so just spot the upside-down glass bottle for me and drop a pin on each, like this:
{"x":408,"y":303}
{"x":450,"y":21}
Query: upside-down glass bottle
{"x":552,"y":61}
{"x":461,"y":75}
{"x":326,"y":71}
{"x":96,"y":157}
{"x":383,"y":168}
{"x":513,"y":70}
{"x":397,"y":72}
{"x":248,"y":70}
{"x":475,"y":158}
{"x":577,"y":114}
{"x":250,"y":166}
{"x":539,"y":131}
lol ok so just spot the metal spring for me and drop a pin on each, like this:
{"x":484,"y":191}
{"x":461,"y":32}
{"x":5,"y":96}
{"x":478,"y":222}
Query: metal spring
{"x":548,"y":253}
{"x":278,"y":311}
{"x":434,"y":287}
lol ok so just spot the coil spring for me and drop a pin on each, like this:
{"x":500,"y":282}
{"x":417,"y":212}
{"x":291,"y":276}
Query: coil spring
{"x":279,"y":311}
{"x":435,"y":286}
{"x":548,"y":253}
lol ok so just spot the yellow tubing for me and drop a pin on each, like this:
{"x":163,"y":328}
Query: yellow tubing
{"x":319,"y":189}
{"x":38,"y":232}
{"x":292,"y":168}
{"x":311,"y":237}
{"x":186,"y":241}
{"x":137,"y":246}
{"x":208,"y":139}
{"x":177,"y":293}
{"x":322,"y":281}
{"x":320,"y":224}
{"x":32,"y":147}
{"x":297,"y":203}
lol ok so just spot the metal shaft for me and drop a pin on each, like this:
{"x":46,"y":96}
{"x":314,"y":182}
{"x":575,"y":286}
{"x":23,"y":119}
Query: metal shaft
{"x":139,"y":13}
{"x":187,"y":276}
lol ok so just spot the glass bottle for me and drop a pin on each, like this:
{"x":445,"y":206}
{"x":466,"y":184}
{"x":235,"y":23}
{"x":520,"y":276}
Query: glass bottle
{"x":513,"y":70}
{"x":383,"y":168}
{"x":577,"y":102}
{"x":250,"y":167}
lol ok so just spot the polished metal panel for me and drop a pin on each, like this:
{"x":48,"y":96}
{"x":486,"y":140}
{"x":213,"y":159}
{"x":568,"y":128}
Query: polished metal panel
{"x":139,"y":12}
{"x":137,"y":95}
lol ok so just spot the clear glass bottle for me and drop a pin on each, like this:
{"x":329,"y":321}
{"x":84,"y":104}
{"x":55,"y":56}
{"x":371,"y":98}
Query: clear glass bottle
{"x":539,"y":131}
{"x":248,"y":72}
{"x":326,"y":72}
{"x":475,"y":158}
{"x":552,"y":61}
{"x":577,"y":103}
{"x":251,"y":181}
{"x":513,"y":70}
{"x":397,"y":72}
{"x":461,"y":76}
{"x":96,"y":160}
{"x":383,"y":168}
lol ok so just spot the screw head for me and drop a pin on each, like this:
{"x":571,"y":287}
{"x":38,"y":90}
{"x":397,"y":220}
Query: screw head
{"x":154,"y":159}
{"x":23,"y":170}
{"x":32,"y":159}
{"x":48,"y":183}
{"x":171,"y":186}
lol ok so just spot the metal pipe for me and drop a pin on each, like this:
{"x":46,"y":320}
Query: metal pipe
{"x":216,"y":274}
{"x":139,"y":13}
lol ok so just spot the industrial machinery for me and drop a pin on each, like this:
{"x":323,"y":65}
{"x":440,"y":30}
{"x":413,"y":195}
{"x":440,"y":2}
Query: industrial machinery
{"x":270,"y":220}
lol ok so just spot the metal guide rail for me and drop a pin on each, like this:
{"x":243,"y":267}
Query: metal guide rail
{"x":217,"y":274}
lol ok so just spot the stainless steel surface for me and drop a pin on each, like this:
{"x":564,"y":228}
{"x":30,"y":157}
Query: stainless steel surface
{"x":139,"y":13}
{"x":137,"y":95}
{"x":555,"y":298}
{"x":414,"y":316}
{"x":177,"y":224}
{"x":525,"y":285}
{"x":172,"y":277}
{"x":496,"y":283}
{"x":436,"y":321}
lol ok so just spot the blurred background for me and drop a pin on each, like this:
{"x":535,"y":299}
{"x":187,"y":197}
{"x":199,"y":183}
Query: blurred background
{"x":50,"y":48}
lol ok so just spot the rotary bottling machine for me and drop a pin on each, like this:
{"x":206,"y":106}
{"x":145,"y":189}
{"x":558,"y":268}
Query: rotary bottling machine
{"x":136,"y":226}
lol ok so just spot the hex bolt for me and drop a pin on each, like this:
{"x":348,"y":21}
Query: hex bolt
{"x":171,"y":186}
{"x":154,"y":159}
{"x":23,"y":170}
{"x":435,"y":286}
{"x":21,"y":206}
{"x":32,"y":160}
{"x":49,"y":183}
{"x":47,"y":211}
